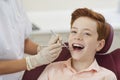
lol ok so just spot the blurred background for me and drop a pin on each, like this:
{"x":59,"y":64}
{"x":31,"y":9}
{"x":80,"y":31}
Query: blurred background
{"x":55,"y":15}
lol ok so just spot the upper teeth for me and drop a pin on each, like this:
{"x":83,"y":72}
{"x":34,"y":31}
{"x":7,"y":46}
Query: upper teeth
{"x":78,"y":45}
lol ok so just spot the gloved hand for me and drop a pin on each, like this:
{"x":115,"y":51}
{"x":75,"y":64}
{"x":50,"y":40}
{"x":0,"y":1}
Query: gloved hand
{"x":46,"y":55}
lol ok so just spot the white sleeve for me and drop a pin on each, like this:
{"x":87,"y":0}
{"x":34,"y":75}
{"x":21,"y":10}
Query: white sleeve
{"x":27,"y":23}
{"x":28,"y":28}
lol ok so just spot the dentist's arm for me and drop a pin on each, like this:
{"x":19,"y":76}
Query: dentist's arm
{"x":30,"y":47}
{"x":11,"y":66}
{"x":45,"y":56}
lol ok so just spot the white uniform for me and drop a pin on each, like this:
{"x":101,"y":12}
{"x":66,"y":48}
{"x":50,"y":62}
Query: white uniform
{"x":14,"y":28}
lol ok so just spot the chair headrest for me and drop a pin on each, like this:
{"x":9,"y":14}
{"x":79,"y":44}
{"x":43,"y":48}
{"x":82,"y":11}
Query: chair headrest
{"x":108,"y":40}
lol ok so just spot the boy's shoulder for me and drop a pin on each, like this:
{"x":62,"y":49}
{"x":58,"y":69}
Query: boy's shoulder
{"x":107,"y":71}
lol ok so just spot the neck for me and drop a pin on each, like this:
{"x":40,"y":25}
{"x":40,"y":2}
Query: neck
{"x":79,"y":65}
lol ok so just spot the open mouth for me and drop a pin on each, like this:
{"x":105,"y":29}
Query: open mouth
{"x":77,"y":46}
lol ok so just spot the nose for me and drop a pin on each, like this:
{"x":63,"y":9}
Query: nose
{"x":78,"y":36}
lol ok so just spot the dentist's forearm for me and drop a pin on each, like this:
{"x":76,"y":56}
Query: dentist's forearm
{"x":12,"y":66}
{"x":30,"y":47}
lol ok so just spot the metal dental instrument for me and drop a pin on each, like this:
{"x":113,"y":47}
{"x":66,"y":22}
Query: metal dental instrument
{"x":64,"y":45}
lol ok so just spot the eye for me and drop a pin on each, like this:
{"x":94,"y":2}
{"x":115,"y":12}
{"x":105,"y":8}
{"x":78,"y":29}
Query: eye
{"x":87,"y":33}
{"x":73,"y":31}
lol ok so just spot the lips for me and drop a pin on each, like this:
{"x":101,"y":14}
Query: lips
{"x":77,"y":46}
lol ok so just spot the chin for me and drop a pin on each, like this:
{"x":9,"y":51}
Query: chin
{"x":76,"y":57}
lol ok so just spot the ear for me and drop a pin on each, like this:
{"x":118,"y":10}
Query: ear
{"x":100,"y":45}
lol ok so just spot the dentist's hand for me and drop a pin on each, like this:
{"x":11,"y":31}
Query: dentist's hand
{"x":46,"y":55}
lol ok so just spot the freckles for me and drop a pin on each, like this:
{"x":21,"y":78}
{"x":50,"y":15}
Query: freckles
{"x":70,"y":38}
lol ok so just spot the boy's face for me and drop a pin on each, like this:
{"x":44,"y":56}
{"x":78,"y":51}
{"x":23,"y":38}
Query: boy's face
{"x":83,"y":37}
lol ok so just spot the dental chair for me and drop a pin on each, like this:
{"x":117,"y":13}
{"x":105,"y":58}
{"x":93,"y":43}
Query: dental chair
{"x":109,"y":60}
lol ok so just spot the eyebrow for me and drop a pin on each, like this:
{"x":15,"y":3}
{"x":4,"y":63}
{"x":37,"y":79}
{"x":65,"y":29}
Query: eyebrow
{"x":74,"y":28}
{"x":83,"y":29}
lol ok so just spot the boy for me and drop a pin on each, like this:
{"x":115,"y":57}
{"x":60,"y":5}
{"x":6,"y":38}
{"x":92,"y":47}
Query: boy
{"x":87,"y":36}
